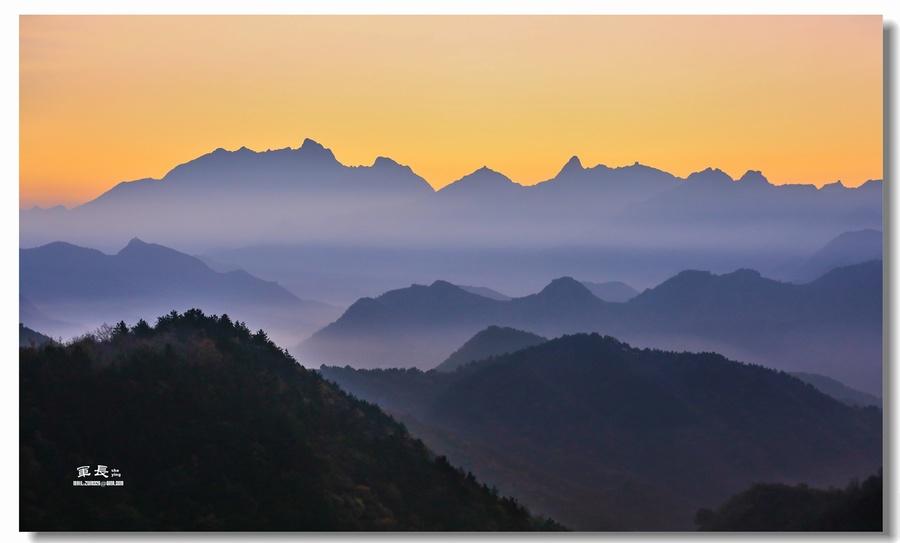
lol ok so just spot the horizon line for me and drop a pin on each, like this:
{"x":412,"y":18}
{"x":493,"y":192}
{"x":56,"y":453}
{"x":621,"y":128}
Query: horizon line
{"x":316,"y":144}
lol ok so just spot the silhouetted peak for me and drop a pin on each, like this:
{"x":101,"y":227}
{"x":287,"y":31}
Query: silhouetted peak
{"x":754,"y":177}
{"x":572,"y":166}
{"x":384,"y":162}
{"x":485,"y":171}
{"x":837,"y":185}
{"x":139,"y":246}
{"x":709,"y":176}
{"x":483,"y":177}
{"x":441,"y":285}
{"x":566,"y":287}
{"x":309,"y":143}
{"x":135,"y":243}
{"x":313,"y":149}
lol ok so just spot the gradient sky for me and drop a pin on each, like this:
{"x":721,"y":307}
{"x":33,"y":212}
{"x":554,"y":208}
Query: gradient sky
{"x":106,"y":99}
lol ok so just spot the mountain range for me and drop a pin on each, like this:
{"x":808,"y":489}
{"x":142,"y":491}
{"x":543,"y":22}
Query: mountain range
{"x":831,"y":326}
{"x":611,"y":291}
{"x":341,"y":274}
{"x":604,"y":436}
{"x":495,"y":340}
{"x":84,"y":288}
{"x":845,"y":249}
{"x":304,"y":195}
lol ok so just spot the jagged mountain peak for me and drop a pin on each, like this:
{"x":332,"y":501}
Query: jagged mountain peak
{"x":709,"y":175}
{"x":572,"y":166}
{"x":315,"y":150}
{"x":754,"y":177}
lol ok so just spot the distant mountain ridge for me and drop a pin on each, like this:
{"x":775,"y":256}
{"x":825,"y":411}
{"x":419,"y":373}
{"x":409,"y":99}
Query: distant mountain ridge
{"x":846,"y":249}
{"x":78,"y":284}
{"x":611,"y":291}
{"x":127,"y":274}
{"x":839,"y":391}
{"x":811,"y":327}
{"x":310,"y":165}
{"x":288,"y":166}
{"x":486,"y":292}
{"x":288,"y":163}
{"x":305,"y":194}
{"x":492,"y":341}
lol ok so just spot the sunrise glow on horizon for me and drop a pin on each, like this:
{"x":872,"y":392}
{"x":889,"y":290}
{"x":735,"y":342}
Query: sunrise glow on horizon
{"x":106,"y":99}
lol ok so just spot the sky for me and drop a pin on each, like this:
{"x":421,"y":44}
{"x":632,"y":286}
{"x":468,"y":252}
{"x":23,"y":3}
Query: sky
{"x":106,"y":99}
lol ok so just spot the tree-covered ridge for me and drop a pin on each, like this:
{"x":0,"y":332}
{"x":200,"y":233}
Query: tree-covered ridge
{"x":605,"y":436}
{"x":785,"y":508}
{"x":214,"y":427}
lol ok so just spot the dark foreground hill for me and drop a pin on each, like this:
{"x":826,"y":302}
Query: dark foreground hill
{"x":784,"y":508}
{"x":215,"y":428}
{"x":600,"y":435}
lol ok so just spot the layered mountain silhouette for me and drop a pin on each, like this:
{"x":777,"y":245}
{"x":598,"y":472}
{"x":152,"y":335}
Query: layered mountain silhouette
{"x":492,"y":341}
{"x":486,"y":292}
{"x":86,"y":286}
{"x":602,"y":435}
{"x":304,"y":195}
{"x":838,"y":390}
{"x":309,"y":168}
{"x":36,"y":318}
{"x":611,"y":291}
{"x":844,"y":250}
{"x":830,"y":326}
{"x":214,"y":428}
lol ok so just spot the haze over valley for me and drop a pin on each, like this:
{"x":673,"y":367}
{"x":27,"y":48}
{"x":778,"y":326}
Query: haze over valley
{"x":488,"y":350}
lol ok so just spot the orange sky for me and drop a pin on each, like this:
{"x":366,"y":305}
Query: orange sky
{"x":106,"y":99}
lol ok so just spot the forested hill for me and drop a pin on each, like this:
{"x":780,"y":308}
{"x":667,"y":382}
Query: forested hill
{"x":213,"y":427}
{"x":604,"y":436}
{"x":800,"y":508}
